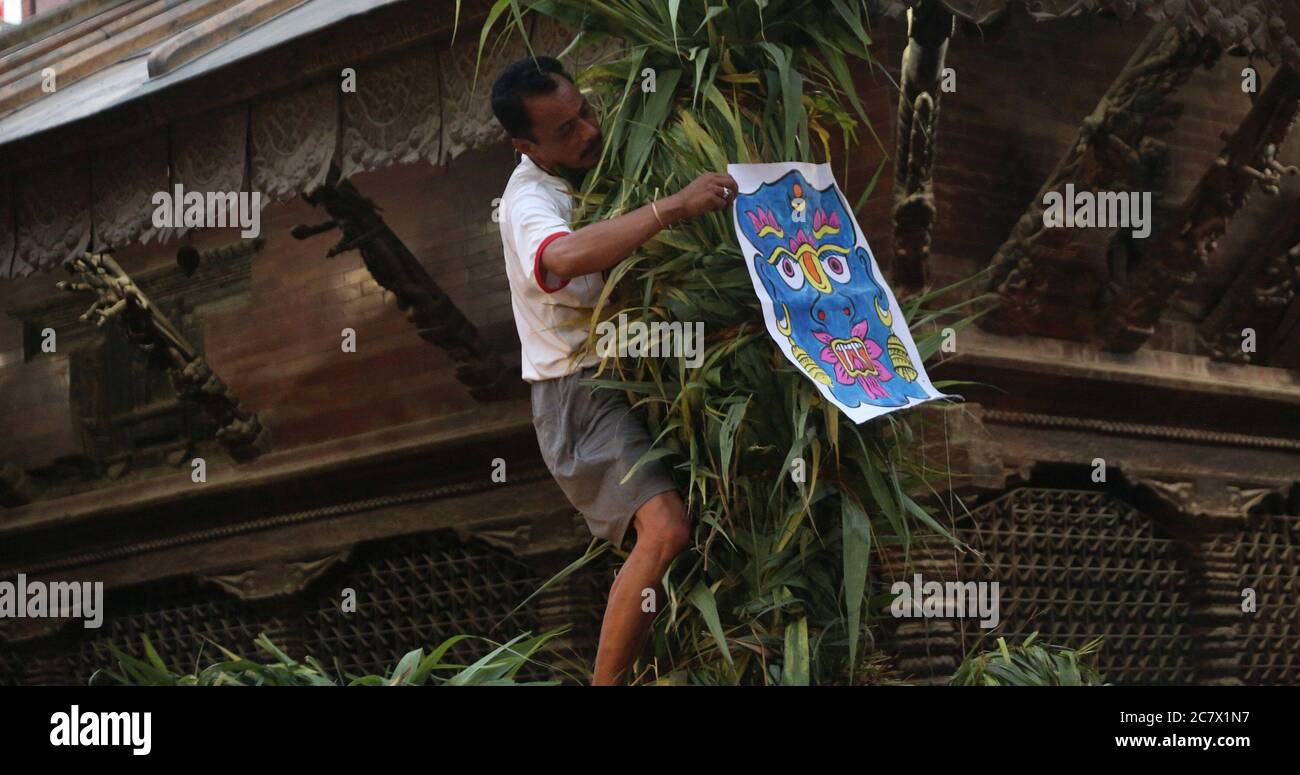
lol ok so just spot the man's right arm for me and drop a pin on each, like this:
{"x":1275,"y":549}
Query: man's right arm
{"x":601,"y":245}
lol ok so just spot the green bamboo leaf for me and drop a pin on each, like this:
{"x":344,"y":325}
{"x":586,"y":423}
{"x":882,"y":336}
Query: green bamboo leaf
{"x":709,"y":14}
{"x":852,"y":18}
{"x":727,"y":438}
{"x":494,"y":13}
{"x":716,"y":99}
{"x":795,"y":670}
{"x":152,"y":655}
{"x":654,"y":453}
{"x":673,"y":5}
{"x":647,"y":122}
{"x":925,"y":517}
{"x":856,"y":529}
{"x":702,"y":598}
{"x":405,"y":667}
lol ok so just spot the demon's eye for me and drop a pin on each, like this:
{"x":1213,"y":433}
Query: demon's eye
{"x":836,"y":269}
{"x":790,"y":273}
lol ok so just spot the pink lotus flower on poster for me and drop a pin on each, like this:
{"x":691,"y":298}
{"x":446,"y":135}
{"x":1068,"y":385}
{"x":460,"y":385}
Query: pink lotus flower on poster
{"x":856,"y":360}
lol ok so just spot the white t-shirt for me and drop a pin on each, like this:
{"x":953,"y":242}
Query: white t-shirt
{"x":552,"y":316}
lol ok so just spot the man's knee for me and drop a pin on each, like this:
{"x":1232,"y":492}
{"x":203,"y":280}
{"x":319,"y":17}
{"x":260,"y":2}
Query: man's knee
{"x":661,"y":524}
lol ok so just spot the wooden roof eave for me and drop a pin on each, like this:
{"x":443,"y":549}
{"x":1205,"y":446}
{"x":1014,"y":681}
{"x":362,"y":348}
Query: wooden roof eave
{"x":214,"y":31}
{"x":51,"y":22}
{"x":77,"y":35}
{"x":377,"y":35}
{"x":30,"y":85}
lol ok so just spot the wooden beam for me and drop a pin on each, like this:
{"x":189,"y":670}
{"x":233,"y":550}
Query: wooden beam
{"x":1182,"y":249}
{"x":1255,"y":27}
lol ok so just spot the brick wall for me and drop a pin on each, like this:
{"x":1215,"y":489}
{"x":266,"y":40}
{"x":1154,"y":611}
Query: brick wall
{"x":34,"y":420}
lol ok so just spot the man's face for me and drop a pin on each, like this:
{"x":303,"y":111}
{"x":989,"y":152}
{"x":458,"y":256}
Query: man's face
{"x":565,"y":131}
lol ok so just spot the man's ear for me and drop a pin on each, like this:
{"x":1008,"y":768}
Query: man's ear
{"x":525,"y":146}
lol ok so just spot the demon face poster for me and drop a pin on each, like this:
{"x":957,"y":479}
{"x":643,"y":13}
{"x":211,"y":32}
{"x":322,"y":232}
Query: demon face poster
{"x":824,"y":300}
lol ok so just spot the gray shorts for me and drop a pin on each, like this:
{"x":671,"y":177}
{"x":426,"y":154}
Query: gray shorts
{"x":590,"y":439}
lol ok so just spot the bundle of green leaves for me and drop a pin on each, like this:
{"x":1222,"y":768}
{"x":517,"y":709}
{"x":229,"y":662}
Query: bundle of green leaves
{"x":789,"y":500}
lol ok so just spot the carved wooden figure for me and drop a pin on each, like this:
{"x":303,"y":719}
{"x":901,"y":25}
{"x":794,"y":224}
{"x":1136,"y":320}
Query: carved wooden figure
{"x":116,"y":296}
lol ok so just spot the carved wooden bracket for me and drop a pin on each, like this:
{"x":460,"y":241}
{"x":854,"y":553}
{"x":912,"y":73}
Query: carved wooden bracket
{"x":1206,"y":498}
{"x":1116,"y":147}
{"x":1182,"y":249}
{"x":434,"y":315}
{"x":278,"y":580}
{"x":117,"y":296}
{"x":514,"y":538}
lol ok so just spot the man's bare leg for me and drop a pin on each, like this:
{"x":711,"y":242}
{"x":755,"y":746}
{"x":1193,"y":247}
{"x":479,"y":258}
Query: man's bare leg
{"x":661,"y":534}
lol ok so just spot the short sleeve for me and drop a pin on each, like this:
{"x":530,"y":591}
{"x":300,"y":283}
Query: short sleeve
{"x":535,"y":222}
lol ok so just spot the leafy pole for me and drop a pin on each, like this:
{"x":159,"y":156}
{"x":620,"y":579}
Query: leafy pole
{"x":788,"y":501}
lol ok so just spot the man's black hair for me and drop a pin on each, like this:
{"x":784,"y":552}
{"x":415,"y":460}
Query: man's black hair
{"x":527,"y":77}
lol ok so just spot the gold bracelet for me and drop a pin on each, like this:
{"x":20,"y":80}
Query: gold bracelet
{"x":655,"y":210}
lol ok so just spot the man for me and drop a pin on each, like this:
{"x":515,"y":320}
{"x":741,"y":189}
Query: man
{"x":589,"y":439}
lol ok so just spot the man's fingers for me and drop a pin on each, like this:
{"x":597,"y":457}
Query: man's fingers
{"x":728,"y":187}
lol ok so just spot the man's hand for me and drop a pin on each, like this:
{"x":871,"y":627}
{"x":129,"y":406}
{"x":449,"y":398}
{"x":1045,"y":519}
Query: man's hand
{"x":599,"y":246}
{"x":707,"y":193}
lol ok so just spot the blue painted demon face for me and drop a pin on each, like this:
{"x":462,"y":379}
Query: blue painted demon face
{"x":825,"y":294}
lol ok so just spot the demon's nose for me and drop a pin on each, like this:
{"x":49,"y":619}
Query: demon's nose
{"x":835,"y":310}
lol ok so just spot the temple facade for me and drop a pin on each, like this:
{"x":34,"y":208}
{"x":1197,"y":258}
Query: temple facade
{"x":269,"y":424}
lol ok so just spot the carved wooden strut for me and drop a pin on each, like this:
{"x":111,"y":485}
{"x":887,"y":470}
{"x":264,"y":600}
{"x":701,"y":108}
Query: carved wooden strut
{"x":1257,"y":300}
{"x":434,"y":315}
{"x":116,"y":296}
{"x":1117,"y":148}
{"x":1180,"y":251}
